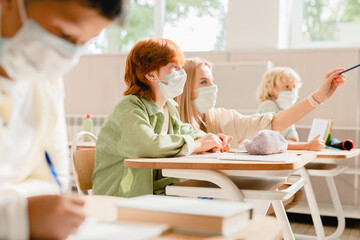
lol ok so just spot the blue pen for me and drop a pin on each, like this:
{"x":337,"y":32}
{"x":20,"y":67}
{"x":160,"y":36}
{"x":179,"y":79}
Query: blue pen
{"x":52,"y":170}
{"x":349,"y":69}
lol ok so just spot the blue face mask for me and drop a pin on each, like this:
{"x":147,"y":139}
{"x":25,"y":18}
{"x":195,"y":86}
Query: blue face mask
{"x":35,"y":54}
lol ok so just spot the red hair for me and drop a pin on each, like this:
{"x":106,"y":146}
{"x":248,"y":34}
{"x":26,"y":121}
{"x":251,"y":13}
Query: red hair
{"x":146,"y":56}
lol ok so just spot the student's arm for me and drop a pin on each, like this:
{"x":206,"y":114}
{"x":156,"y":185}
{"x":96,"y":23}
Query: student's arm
{"x":139,"y":137}
{"x":57,"y":140}
{"x":314,"y":145}
{"x":204,"y":141}
{"x":291,"y":115}
{"x":241,"y":127}
{"x":187,"y":129}
{"x":13,"y":217}
{"x":40,"y":181}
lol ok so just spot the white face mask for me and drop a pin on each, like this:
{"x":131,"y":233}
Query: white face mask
{"x":206,"y":98}
{"x":286,"y":99}
{"x":35,"y":54}
{"x":175,"y":84}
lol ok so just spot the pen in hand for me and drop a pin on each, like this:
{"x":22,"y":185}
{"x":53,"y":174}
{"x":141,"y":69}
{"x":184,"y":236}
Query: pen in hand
{"x":53,"y":172}
{"x":346,"y":70}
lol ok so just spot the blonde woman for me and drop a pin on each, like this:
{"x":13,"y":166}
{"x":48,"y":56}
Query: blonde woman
{"x":196,"y":105}
{"x":279,"y":90}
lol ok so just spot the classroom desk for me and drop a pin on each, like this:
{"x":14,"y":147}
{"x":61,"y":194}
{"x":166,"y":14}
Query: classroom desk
{"x":219,"y":172}
{"x":329,"y":153}
{"x":326,"y":165}
{"x":103,"y":208}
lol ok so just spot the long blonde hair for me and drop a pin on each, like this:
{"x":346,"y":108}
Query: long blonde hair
{"x":273,"y":79}
{"x":186,"y":108}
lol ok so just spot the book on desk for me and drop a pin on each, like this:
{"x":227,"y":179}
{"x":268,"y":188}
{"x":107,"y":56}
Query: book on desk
{"x":199,"y":216}
{"x":320,"y":127}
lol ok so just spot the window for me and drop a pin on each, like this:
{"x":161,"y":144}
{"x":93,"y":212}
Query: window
{"x":195,"y":25}
{"x":326,"y":23}
{"x":140,"y":24}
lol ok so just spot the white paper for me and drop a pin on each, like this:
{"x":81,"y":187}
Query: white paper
{"x":237,"y":150}
{"x":93,"y":229}
{"x":247,"y":157}
{"x":319,"y":126}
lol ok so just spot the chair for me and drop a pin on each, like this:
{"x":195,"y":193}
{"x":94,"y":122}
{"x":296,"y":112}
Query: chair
{"x":83,"y":161}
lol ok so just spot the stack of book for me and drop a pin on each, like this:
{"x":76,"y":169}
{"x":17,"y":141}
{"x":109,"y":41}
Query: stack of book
{"x":196,"y":216}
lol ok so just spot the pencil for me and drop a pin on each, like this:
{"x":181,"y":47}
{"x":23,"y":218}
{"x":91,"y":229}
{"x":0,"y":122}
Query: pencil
{"x":349,"y":69}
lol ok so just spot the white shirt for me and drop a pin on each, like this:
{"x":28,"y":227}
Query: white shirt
{"x":32,"y":120}
{"x":165,"y":127}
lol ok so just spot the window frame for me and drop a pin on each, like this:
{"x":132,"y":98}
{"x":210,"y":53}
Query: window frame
{"x":296,"y":38}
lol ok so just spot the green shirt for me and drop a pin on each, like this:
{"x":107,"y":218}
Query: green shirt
{"x":133,"y":130}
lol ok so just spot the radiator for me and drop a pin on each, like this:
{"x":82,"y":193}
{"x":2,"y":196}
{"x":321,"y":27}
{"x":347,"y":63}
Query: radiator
{"x":74,"y":124}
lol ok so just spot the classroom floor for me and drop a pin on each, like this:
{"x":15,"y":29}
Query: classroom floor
{"x":302,"y":224}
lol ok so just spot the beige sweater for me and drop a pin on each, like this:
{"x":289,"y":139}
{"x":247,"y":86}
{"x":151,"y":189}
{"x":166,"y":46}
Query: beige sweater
{"x":241,"y":127}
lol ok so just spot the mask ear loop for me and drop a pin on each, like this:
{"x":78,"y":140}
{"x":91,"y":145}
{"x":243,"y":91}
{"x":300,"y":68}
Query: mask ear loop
{"x":22,"y":11}
{"x":159,"y":78}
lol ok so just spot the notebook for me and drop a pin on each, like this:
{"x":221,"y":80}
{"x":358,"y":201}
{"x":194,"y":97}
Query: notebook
{"x":191,"y":215}
{"x":244,"y":156}
{"x":320,"y":126}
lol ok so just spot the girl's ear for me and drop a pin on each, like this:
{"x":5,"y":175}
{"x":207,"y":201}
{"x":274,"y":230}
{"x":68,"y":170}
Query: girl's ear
{"x":151,"y":76}
{"x":274,"y":93}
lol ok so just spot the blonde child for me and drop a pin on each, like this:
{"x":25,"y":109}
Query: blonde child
{"x":145,"y":123}
{"x":279,"y":90}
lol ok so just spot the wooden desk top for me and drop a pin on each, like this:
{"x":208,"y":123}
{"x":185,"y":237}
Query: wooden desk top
{"x":329,"y":153}
{"x":103,"y":208}
{"x":216,"y":164}
{"x":84,"y":145}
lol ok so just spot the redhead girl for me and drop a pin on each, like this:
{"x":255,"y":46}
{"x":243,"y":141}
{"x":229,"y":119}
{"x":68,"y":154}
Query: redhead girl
{"x":145,"y":123}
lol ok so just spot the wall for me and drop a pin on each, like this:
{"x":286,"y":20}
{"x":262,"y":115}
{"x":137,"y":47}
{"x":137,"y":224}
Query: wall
{"x":263,"y":31}
{"x":96,"y":84}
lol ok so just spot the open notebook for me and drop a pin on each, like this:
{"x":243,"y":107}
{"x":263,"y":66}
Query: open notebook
{"x":320,"y":126}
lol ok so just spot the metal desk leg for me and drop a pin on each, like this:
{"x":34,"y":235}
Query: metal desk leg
{"x":314,"y":210}
{"x":338,"y":209}
{"x":215,"y":177}
{"x":224,"y":182}
{"x":282,"y":217}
